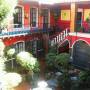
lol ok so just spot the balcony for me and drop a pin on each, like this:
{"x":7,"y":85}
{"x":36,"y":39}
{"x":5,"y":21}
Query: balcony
{"x":21,"y":30}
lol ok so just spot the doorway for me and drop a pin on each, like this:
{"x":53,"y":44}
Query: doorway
{"x":79,"y":21}
{"x":45,"y":18}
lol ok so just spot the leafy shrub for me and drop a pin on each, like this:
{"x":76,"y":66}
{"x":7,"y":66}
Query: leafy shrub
{"x":63,"y":60}
{"x":27,"y":61}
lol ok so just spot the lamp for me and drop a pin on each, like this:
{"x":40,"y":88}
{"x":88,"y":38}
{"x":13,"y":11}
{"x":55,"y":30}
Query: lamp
{"x":26,"y":15}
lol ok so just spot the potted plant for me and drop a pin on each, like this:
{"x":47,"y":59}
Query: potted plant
{"x":80,"y":29}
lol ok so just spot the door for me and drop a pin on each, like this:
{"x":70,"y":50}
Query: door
{"x":81,"y":55}
{"x":79,"y":21}
{"x":45,"y":19}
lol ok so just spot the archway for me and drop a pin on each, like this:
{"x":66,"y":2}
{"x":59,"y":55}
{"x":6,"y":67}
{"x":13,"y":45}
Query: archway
{"x":64,"y":47}
{"x":81,"y":55}
{"x":19,"y":46}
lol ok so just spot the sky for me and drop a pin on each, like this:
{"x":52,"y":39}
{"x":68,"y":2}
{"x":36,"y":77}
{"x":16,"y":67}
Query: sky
{"x":58,"y":1}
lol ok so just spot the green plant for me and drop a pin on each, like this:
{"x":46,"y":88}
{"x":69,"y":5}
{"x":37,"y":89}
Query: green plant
{"x":27,"y":61}
{"x":79,"y":28}
{"x":88,"y":19}
{"x":84,"y":79}
{"x":64,"y":81}
{"x":63,"y":60}
{"x":53,"y":49}
{"x":50,"y":61}
{"x":56,"y":63}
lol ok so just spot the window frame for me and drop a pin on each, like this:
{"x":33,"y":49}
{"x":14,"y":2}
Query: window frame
{"x":36,"y":17}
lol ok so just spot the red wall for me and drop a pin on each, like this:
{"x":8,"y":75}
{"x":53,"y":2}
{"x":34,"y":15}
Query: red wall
{"x":63,"y":24}
{"x":26,"y":15}
{"x":52,"y":21}
{"x":12,"y":40}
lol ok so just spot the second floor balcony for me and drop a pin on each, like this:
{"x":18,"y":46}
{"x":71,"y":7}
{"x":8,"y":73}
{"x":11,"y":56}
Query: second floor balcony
{"x":19,"y":30}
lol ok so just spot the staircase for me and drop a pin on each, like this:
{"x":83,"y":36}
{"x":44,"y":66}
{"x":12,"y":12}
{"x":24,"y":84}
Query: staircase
{"x":59,"y":38}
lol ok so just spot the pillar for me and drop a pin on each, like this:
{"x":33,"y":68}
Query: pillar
{"x":73,"y":17}
{"x":46,"y":42}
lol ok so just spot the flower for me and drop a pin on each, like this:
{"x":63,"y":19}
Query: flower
{"x":11,"y":52}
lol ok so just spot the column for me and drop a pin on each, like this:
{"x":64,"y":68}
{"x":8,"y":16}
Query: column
{"x":73,"y":17}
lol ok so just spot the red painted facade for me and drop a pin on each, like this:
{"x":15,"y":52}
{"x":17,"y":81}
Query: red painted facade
{"x":62,"y":22}
{"x":26,"y":15}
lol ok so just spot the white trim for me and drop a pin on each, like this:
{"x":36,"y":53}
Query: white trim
{"x":80,"y":10}
{"x":21,"y":48}
{"x":36,"y":16}
{"x":48,"y":17}
{"x":22,"y":14}
{"x":8,"y":36}
{"x":21,"y":41}
{"x":79,"y":40}
{"x":72,"y":47}
{"x":64,"y":42}
{"x":85,"y":35}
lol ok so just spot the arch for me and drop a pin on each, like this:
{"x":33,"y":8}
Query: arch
{"x":80,"y":40}
{"x":80,"y":54}
{"x":66,"y":40}
{"x":64,"y":47}
{"x":19,"y":46}
{"x":72,"y":48}
{"x":19,"y":42}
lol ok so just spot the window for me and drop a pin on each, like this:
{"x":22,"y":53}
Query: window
{"x":18,"y":17}
{"x":31,"y":46}
{"x":45,"y":18}
{"x":19,"y":47}
{"x":33,"y":17}
{"x":28,"y":46}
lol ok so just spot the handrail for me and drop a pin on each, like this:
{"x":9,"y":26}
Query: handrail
{"x":59,"y":37}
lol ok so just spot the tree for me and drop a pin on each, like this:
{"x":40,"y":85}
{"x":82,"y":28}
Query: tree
{"x":6,"y":11}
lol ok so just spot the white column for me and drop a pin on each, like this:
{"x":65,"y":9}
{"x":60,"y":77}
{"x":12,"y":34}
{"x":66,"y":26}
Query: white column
{"x":61,"y":36}
{"x":64,"y":34}
{"x":66,"y":31}
{"x":55,"y":40}
{"x":52,"y":42}
{"x":59,"y":39}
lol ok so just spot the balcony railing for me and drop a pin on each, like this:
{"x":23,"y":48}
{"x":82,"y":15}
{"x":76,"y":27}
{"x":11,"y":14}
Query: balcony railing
{"x":17,"y":30}
{"x":59,"y":38}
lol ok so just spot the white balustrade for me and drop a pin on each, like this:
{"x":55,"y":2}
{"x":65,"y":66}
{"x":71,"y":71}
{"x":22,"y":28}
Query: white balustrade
{"x":59,"y":38}
{"x":64,"y":34}
{"x":52,"y":42}
{"x":55,"y":40}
